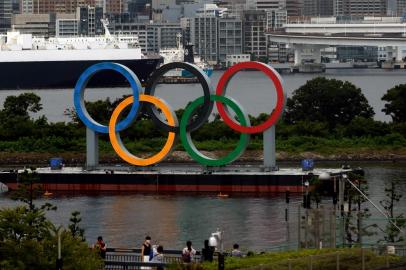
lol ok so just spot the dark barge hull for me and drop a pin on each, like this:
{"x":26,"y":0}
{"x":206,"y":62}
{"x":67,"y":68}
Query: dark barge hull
{"x":64,"y":74}
{"x":238,"y":182}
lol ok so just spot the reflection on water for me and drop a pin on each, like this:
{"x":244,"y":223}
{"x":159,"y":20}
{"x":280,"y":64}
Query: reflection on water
{"x":256,"y":223}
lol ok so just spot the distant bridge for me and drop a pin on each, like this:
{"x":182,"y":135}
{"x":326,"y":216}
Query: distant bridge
{"x":314,"y":37}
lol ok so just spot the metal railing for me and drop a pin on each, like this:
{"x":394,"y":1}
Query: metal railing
{"x":130,"y":258}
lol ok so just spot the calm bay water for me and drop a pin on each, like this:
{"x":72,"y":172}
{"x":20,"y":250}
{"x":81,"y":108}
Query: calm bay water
{"x":251,"y":89}
{"x":256,"y":223}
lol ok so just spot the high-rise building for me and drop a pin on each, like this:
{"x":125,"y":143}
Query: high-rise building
{"x":230,"y":39}
{"x":163,"y":35}
{"x":16,"y":6}
{"x":266,"y":4}
{"x":89,"y":21}
{"x":254,"y":33}
{"x":275,"y":20}
{"x":318,"y":8}
{"x":212,"y":10}
{"x":235,"y":7}
{"x":66,"y":25}
{"x":42,"y":25}
{"x":53,"y":6}
{"x":360,"y":7}
{"x":115,"y":6}
{"x":203,"y":34}
{"x":216,"y":37}
{"x":158,"y":6}
{"x":294,"y":8}
{"x":27,"y":6}
{"x":6,"y":11}
{"x":136,"y":7}
{"x":151,"y":36}
{"x":399,"y":8}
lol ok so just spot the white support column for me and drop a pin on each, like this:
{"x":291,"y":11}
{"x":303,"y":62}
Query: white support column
{"x":92,"y":148}
{"x":269,"y":145}
{"x":399,"y":54}
{"x":298,"y":54}
{"x":317,"y":54}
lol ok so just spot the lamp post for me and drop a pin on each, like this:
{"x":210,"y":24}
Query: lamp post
{"x":59,"y":262}
{"x":306,"y":205}
{"x":306,"y":202}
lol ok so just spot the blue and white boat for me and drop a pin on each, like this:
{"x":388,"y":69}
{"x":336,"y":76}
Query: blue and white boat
{"x":183,"y":54}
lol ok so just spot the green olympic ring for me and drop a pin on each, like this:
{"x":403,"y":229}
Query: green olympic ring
{"x":190,"y":147}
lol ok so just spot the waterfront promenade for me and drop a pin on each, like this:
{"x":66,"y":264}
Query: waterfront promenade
{"x":372,"y":258}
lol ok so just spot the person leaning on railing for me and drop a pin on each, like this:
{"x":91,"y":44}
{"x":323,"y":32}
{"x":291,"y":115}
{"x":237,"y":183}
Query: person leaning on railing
{"x":158,"y":256}
{"x":101,"y":247}
{"x":188,"y":253}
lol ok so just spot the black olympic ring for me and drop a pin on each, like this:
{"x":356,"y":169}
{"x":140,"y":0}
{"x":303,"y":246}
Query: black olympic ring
{"x":203,"y":113}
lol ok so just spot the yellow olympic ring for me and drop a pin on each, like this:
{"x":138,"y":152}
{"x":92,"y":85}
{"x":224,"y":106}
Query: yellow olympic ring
{"x":115,"y":136}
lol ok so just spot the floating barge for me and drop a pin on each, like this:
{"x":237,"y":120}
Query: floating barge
{"x":176,"y":178}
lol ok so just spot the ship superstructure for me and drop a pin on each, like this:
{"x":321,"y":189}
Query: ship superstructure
{"x":183,"y":54}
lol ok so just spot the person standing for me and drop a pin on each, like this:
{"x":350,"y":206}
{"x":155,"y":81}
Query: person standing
{"x":188,"y":253}
{"x":207,"y":252}
{"x":146,"y":249}
{"x":158,"y":256}
{"x":101,"y":247}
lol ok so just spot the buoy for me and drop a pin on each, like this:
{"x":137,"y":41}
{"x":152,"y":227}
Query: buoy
{"x":220,"y":195}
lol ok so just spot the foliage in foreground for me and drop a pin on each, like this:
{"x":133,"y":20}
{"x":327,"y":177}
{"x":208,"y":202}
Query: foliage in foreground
{"x":29,"y":241}
{"x":350,"y":259}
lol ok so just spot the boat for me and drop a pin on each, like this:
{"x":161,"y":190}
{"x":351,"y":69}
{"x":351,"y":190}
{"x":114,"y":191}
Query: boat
{"x":30,"y":62}
{"x":183,"y":54}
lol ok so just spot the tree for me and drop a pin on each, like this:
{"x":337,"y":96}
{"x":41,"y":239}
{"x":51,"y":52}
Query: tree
{"x":393,"y":196}
{"x":28,"y":189}
{"x":74,"y":227}
{"x":28,"y":240}
{"x":22,"y":105}
{"x":357,"y":213}
{"x":361,"y":126}
{"x":396,"y":103}
{"x":327,"y":100}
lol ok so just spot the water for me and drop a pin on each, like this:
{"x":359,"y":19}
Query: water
{"x":251,"y":89}
{"x":256,"y":223}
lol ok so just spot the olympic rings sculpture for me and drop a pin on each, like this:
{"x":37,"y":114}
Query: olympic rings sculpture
{"x":202,"y":106}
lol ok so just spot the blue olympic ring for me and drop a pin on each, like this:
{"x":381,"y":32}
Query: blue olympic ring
{"x":78,"y":96}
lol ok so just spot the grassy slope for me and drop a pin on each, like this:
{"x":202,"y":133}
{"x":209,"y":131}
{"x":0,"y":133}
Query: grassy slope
{"x":350,"y":259}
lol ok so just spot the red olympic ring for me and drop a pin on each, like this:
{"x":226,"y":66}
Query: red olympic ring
{"x":275,"y":115}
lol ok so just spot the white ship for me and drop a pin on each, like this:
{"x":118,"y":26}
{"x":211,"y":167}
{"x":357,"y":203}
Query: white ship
{"x":35,"y":62}
{"x":183,"y":54}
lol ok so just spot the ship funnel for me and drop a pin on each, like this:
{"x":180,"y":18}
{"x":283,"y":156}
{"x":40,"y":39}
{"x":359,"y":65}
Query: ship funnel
{"x":189,"y":54}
